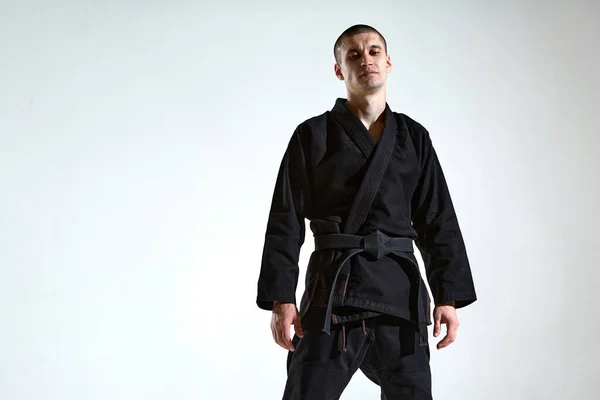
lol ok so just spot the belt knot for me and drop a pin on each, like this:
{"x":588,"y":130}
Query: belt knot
{"x":375,"y":244}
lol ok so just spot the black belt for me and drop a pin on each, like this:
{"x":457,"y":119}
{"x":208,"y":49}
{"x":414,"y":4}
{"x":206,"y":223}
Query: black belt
{"x":377,"y":244}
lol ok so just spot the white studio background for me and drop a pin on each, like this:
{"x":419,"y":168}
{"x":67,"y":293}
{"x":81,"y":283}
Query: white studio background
{"x":139,"y":143}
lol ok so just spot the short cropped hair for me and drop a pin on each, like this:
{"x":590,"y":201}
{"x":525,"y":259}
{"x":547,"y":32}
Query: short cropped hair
{"x":355,"y":30}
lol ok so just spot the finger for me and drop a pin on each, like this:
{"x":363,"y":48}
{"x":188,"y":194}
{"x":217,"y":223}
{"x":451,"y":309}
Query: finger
{"x":452,"y":330}
{"x":274,"y":333}
{"x":298,"y":326}
{"x":444,"y":343}
{"x":285,"y":336}
{"x":277,"y":334}
{"x":274,"y":329}
{"x":278,"y":330}
{"x":437,"y":324}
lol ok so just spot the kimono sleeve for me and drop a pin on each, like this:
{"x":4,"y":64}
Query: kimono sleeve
{"x":285,"y":231}
{"x":440,"y":240}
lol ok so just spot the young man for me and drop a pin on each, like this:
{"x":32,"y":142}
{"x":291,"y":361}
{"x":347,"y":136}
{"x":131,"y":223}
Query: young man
{"x":370,"y":183}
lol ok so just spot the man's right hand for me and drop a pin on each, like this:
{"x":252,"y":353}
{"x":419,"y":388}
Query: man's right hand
{"x":284,"y":315}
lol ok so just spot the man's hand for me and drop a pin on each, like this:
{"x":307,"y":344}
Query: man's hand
{"x":284,"y":315}
{"x":445,"y":314}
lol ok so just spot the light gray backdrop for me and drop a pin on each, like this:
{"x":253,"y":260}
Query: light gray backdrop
{"x":139,"y":143}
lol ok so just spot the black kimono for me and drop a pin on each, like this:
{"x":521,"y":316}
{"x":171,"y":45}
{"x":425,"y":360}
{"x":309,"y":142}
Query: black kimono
{"x":367,"y":203}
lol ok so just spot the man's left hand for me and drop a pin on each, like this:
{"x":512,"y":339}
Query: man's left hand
{"x":445,"y":314}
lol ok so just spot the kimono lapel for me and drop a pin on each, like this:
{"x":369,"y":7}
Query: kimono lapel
{"x":378,"y":156}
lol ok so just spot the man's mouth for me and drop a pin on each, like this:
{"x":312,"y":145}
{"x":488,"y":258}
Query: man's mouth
{"x":368,"y":73}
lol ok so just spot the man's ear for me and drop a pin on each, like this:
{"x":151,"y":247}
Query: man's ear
{"x":338,"y":71}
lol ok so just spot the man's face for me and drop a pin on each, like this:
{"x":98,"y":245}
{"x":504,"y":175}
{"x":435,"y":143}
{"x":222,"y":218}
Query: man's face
{"x":364,"y":64}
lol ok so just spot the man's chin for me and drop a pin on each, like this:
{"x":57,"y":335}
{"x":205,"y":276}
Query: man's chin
{"x":372,"y":86}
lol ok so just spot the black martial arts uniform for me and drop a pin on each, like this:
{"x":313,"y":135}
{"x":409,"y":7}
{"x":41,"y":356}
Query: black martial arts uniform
{"x":365,"y":304}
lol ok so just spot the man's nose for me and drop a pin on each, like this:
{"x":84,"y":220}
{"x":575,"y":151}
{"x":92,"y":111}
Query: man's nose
{"x":366,"y":60}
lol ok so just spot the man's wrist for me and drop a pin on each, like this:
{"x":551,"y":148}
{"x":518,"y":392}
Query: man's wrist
{"x":277,"y":303}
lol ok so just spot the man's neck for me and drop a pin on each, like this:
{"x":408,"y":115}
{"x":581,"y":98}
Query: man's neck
{"x":367,"y":108}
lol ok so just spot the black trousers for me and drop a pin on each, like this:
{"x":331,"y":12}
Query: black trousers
{"x":386,"y":350}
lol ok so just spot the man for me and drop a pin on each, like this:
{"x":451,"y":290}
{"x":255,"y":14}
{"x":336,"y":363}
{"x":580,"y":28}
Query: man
{"x":370,"y":183}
